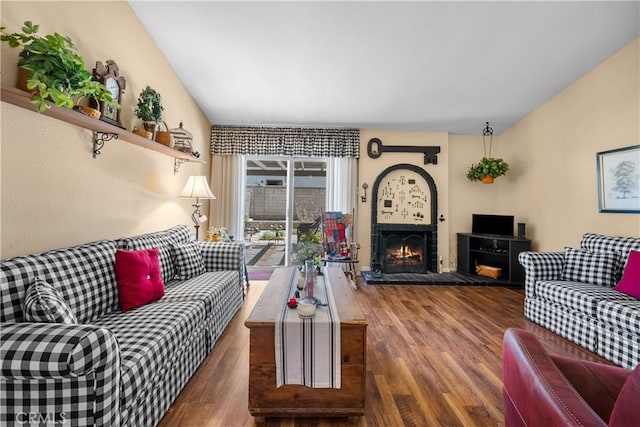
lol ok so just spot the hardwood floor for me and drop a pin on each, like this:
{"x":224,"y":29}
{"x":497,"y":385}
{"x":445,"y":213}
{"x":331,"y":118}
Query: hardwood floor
{"x":434,"y":359}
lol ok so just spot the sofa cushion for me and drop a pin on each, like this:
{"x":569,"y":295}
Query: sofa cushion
{"x":576,"y":296}
{"x":162,"y":240}
{"x":84,"y":275}
{"x":220,"y":291}
{"x":150,"y":339}
{"x":623,"y":315}
{"x":207,"y":287}
{"x":630,"y":283}
{"x":588,"y":267}
{"x":43,"y":303}
{"x":601,"y":243}
{"x":138,"y":275}
{"x":574,"y":325}
{"x":223,"y":256}
{"x":187,"y":259}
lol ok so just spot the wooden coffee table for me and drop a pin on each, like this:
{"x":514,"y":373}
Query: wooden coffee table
{"x":267,"y":400}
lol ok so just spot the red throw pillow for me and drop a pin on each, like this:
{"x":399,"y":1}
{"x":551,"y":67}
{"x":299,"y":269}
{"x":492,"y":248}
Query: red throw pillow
{"x":139,"y":278}
{"x":630,"y":283}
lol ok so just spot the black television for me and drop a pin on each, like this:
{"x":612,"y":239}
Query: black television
{"x":496,"y":225}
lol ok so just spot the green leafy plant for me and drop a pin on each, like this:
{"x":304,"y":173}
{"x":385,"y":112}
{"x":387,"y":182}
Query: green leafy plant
{"x":487,"y":166}
{"x":149,"y":107}
{"x":313,"y":238}
{"x":307,"y":250}
{"x":57,"y":73}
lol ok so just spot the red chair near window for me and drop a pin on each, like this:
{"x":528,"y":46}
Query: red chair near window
{"x":547,"y":390}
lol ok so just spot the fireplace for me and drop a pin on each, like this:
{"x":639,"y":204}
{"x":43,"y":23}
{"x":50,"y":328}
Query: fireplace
{"x":405,"y":248}
{"x":404,"y":226}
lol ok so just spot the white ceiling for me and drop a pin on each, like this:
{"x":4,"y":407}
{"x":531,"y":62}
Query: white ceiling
{"x":429,"y":66}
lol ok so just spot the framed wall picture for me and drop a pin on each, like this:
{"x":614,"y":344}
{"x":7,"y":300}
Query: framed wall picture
{"x":619,"y":180}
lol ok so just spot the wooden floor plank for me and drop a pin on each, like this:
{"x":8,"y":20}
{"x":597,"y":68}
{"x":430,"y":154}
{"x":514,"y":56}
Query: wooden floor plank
{"x":433,"y":359}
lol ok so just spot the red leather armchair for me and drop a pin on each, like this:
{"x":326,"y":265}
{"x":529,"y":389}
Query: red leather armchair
{"x":542,"y":389}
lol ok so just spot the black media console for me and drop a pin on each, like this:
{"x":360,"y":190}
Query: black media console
{"x":495,"y":251}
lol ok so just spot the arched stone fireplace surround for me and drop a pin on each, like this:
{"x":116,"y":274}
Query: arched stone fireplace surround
{"x":404,"y":224}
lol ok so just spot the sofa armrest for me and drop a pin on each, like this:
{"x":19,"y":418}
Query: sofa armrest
{"x":223,"y":256}
{"x":540,"y":266}
{"x":45,"y":363}
{"x":537,"y":392}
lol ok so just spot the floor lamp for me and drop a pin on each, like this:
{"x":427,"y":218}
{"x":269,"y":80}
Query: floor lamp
{"x":197,"y":188}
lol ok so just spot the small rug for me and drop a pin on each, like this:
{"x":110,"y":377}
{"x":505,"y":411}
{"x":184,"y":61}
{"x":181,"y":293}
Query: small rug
{"x":451,"y":279}
{"x":259,"y":273}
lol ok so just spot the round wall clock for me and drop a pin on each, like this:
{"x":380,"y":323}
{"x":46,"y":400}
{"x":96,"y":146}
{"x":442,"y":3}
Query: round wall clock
{"x":109,"y":76}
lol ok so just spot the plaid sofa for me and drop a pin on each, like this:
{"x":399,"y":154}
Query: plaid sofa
{"x":112,"y":368}
{"x":592,"y":315}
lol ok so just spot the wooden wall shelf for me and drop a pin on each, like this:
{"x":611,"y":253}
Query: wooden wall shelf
{"x":22,"y":99}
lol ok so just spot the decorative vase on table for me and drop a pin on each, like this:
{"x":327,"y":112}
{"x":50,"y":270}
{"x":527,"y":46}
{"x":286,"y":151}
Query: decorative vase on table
{"x":309,"y":276}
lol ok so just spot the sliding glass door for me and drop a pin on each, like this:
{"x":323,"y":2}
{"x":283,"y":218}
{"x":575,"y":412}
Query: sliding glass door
{"x":280,"y":193}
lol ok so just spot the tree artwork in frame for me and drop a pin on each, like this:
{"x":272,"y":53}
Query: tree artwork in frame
{"x":619,"y":180}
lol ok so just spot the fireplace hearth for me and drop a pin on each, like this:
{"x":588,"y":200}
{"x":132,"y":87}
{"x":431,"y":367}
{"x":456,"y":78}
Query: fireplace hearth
{"x":404,"y":226}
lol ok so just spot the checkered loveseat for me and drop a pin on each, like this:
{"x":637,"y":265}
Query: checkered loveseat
{"x":569,"y":293}
{"x":112,"y":368}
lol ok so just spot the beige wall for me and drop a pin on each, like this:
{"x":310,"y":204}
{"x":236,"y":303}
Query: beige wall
{"x":370,"y":168}
{"x":458,"y":197}
{"x":552,"y":153}
{"x":53,"y":192}
{"x":551,"y":185}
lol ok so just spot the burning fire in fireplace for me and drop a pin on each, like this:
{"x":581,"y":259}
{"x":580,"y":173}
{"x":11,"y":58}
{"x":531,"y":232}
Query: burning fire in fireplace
{"x":404,"y":255}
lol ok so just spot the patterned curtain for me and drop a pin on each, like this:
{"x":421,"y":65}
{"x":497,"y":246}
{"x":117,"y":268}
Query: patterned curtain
{"x":279,"y":141}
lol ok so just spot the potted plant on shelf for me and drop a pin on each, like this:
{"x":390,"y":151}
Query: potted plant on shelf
{"x":51,"y":70}
{"x":96,"y":91}
{"x":488,"y":168}
{"x":149,"y":110}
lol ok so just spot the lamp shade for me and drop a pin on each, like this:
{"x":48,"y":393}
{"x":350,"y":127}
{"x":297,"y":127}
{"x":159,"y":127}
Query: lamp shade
{"x":197,"y":188}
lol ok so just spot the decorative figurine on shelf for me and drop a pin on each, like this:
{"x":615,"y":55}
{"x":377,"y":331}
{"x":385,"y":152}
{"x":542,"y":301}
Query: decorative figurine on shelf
{"x":109,"y":76}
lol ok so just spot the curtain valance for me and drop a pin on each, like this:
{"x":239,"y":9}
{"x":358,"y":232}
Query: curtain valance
{"x":281,"y":141}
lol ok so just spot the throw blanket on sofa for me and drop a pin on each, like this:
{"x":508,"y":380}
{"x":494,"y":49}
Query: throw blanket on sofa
{"x":308,"y":349}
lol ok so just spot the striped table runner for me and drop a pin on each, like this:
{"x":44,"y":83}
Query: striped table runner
{"x":308,"y":350}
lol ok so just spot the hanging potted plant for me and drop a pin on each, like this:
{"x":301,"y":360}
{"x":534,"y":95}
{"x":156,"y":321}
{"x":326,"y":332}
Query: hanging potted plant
{"x":488,"y":168}
{"x":51,"y":70}
{"x":149,"y":110}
